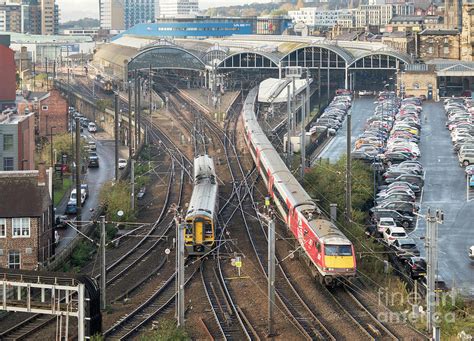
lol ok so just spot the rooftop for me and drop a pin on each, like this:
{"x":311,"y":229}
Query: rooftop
{"x":18,"y":185}
{"x":438,"y":32}
{"x":22,"y":38}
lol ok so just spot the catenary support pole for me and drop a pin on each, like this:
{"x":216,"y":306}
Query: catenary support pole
{"x":180,"y":273}
{"x":103,"y":274}
{"x":139,"y":112}
{"x":271,"y":275}
{"x":129,"y":135}
{"x":116,"y":135}
{"x":288,"y":128}
{"x":78,"y":172}
{"x":132,"y":183}
{"x":348,"y":169}
{"x":303,"y":137}
{"x":150,"y":88}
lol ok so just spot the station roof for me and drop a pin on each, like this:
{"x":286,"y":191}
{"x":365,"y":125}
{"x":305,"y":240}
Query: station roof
{"x":23,"y":38}
{"x":452,"y":68}
{"x":273,"y":47}
{"x":274,"y":90}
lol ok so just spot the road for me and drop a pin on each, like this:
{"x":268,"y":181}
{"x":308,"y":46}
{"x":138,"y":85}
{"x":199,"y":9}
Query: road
{"x":95,"y":178}
{"x":445,"y":188}
{"x":362,"y":109}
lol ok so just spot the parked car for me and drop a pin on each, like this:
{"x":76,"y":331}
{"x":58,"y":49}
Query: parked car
{"x":91,"y":127}
{"x":416,"y":267}
{"x":93,"y":161}
{"x":385,"y":223}
{"x":466,"y":159}
{"x":91,"y":146}
{"x":72,"y":197}
{"x":122,"y":163}
{"x":405,"y":248}
{"x":405,"y":221}
{"x":60,"y":221}
{"x":391,"y":234}
{"x":71,"y":207}
{"x":85,"y":188}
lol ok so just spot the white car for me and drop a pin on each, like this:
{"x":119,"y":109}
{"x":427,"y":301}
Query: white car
{"x":393,"y":233}
{"x":91,"y":127}
{"x":385,"y":223}
{"x":122,"y":163}
{"x":471,"y":252}
{"x":365,"y":93}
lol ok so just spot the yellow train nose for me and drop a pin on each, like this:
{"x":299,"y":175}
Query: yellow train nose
{"x":339,"y":262}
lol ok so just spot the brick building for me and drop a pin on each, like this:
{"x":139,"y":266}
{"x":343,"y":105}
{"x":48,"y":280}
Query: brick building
{"x":17,"y":142}
{"x":435,"y":44}
{"x":8,"y":74}
{"x":52,"y":112}
{"x":417,"y":80}
{"x":26,"y":233}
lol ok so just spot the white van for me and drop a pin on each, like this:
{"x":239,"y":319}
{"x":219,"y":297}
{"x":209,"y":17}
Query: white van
{"x":91,"y":127}
{"x":83,"y":195}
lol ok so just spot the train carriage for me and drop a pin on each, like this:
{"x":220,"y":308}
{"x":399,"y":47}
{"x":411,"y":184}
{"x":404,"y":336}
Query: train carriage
{"x":329,"y":252}
{"x":200,"y":220}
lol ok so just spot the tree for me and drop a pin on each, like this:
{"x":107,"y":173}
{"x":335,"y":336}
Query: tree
{"x":103,"y":104}
{"x":326,"y":182}
{"x":116,"y":197}
{"x":62,"y":144}
{"x":167,"y":331}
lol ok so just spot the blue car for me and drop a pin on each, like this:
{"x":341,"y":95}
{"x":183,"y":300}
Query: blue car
{"x":471,"y":181}
{"x":71,"y":208}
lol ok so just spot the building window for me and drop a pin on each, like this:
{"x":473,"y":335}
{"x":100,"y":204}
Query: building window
{"x":14,"y":259}
{"x":8,"y":164}
{"x":20,"y":227}
{"x":7,"y":142}
{"x":430,"y":50}
{"x":3,"y":227}
{"x":44,"y":107}
{"x":446,"y":50}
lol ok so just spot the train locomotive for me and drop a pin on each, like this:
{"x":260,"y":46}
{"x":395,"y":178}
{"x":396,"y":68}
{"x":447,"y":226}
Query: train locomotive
{"x":107,"y":86}
{"x":201,"y":215}
{"x":329,"y":253}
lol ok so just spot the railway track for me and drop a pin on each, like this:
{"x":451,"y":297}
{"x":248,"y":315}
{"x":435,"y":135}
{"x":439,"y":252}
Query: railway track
{"x":157,"y":303}
{"x":302,"y":317}
{"x":356,"y":311}
{"x":119,"y":268}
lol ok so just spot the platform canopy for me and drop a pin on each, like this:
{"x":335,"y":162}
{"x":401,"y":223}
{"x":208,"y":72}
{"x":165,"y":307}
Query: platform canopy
{"x":274,"y":90}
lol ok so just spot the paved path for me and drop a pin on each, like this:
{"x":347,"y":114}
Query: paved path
{"x":362,"y":109}
{"x":445,"y":188}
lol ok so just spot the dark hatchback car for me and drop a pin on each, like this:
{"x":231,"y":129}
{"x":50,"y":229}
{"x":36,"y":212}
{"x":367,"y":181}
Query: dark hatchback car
{"x":406,"y":221}
{"x":405,"y":248}
{"x":93,"y":161}
{"x":416,"y":267}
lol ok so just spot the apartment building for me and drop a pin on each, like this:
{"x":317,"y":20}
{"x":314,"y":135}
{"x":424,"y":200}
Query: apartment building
{"x":177,"y":8}
{"x":17,"y":141}
{"x":138,"y":12}
{"x":111,"y":14}
{"x":49,"y":17}
{"x":317,"y":17}
{"x":10,"y":17}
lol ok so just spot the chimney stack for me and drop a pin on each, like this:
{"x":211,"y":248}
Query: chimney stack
{"x":41,"y":174}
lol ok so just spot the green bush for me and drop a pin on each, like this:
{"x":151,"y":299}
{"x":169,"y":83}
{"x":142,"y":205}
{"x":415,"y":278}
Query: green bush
{"x":167,"y":331}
